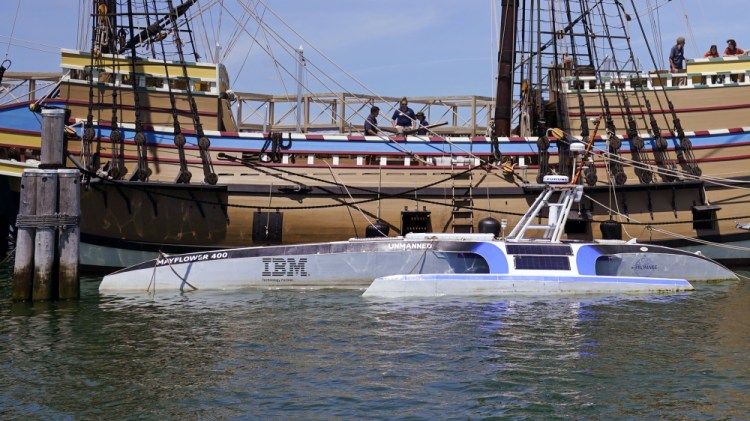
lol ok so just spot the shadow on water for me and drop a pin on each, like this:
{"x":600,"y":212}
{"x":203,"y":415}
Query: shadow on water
{"x":324,"y":354}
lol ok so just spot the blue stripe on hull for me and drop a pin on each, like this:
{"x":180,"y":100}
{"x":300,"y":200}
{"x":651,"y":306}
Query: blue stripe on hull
{"x":546,"y":278}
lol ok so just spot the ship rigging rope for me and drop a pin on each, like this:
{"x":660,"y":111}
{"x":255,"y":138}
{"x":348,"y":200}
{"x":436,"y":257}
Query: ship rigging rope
{"x":11,"y":254}
{"x":652,"y":9}
{"x":31,"y":45}
{"x":607,"y":59}
{"x":276,"y":63}
{"x":348,"y":208}
{"x":13,"y":29}
{"x":207,"y":48}
{"x":660,"y":152}
{"x":142,"y":171}
{"x":234,"y":40}
{"x":697,"y":240}
{"x":57,"y":220}
{"x":404,"y":195}
{"x":291,"y":50}
{"x":339,"y":68}
{"x":655,"y":65}
{"x":719,"y":181}
{"x":169,"y":263}
{"x":270,"y":53}
{"x":204,"y":143}
{"x":620,"y":159}
{"x":650,"y":226}
{"x":49,"y":88}
{"x":689,"y":29}
{"x":607,"y":157}
{"x":638,"y":152}
{"x":407,"y":194}
{"x":615,"y":171}
{"x":117,"y":169}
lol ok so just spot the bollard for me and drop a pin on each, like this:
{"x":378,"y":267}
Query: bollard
{"x":53,"y":138}
{"x":44,"y":246}
{"x":70,"y":232}
{"x":23,"y":270}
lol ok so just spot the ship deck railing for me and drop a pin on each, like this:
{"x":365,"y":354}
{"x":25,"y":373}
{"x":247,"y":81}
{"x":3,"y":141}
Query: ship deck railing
{"x":700,"y":73}
{"x":468,"y":115}
{"x":26,"y":86}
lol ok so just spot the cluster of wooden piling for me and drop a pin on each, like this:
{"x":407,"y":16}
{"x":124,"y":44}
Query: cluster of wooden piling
{"x":47,"y":246}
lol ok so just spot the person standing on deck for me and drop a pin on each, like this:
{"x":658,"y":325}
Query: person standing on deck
{"x":732,"y":49}
{"x":404,"y":117}
{"x":677,"y":55}
{"x":371,"y":123}
{"x":713,"y":52}
{"x":421,"y":124}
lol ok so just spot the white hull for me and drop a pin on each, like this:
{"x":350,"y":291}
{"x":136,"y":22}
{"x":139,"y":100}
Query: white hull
{"x":474,"y":285}
{"x":356,"y":263}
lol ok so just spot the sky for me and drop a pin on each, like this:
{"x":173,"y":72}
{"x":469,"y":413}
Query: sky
{"x":388,"y":47}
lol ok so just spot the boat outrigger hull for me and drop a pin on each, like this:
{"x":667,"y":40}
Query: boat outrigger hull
{"x":472,"y":284}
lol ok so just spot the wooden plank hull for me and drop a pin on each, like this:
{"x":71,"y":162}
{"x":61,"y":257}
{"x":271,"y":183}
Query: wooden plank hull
{"x":330,"y":187}
{"x":699,"y":109}
{"x":170,"y":218}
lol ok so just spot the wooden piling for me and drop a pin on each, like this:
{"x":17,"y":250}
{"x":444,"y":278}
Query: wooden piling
{"x":6,"y":213}
{"x":70,"y":232}
{"x":53,"y":138}
{"x":37,"y":274}
{"x":23,"y":270}
{"x":44,"y":250}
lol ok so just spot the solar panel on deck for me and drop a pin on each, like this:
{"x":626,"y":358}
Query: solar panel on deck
{"x":539,"y":249}
{"x":542,"y":262}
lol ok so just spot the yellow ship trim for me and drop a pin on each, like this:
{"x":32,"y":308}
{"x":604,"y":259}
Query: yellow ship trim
{"x":73,"y":59}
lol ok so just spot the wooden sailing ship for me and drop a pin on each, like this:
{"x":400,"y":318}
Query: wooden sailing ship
{"x":169,"y":167}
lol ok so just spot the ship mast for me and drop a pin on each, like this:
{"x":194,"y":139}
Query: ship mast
{"x":505,"y":68}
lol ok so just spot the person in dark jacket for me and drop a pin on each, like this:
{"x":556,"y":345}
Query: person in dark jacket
{"x":371,"y":123}
{"x":404,"y":117}
{"x":421,"y":124}
{"x":677,"y":55}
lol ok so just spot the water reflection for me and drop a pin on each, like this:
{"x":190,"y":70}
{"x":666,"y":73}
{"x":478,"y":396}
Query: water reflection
{"x":324,"y":354}
{"x":75,"y":358}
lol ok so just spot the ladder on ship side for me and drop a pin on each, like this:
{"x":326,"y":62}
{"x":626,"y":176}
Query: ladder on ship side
{"x":462,"y":213}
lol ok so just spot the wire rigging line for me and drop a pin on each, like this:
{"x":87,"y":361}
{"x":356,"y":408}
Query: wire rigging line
{"x":292,"y":52}
{"x":689,"y":29}
{"x":277,"y":64}
{"x":13,"y":28}
{"x":234,"y":37}
{"x":207,"y":47}
{"x":328,"y":59}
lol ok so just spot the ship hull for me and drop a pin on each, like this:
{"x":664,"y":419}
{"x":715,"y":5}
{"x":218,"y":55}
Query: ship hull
{"x":331,"y":187}
{"x":126,"y":223}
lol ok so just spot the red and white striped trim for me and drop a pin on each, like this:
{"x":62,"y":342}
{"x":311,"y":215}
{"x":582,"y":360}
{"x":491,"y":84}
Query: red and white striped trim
{"x":413,"y":139}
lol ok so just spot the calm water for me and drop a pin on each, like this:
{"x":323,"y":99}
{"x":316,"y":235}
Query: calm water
{"x":333,"y":354}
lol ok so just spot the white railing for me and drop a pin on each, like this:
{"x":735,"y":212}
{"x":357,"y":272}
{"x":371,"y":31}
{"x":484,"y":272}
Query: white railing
{"x":656,"y":81}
